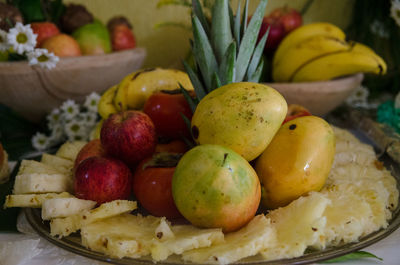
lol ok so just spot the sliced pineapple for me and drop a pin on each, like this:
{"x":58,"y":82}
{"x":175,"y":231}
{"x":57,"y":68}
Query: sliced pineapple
{"x":35,"y":167}
{"x":65,"y":226}
{"x":257,"y":235}
{"x":63,"y":207}
{"x":41,"y":183}
{"x":32,"y":200}
{"x":298,"y":226}
{"x":61,"y":164}
{"x":69,"y":150}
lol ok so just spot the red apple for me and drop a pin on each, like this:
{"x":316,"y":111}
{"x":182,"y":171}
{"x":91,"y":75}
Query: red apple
{"x":275,"y":36}
{"x":296,"y":111}
{"x":44,"y":30}
{"x":289,"y":17}
{"x":129,"y":136}
{"x":102,"y":180}
{"x":92,"y":148}
{"x":122,"y":38}
{"x":62,"y":45}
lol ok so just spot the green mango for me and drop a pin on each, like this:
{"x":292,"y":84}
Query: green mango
{"x":214,"y":187}
{"x":93,"y":38}
{"x":242,"y":116}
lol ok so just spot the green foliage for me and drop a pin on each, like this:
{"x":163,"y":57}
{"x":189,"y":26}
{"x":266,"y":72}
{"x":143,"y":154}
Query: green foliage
{"x":39,"y":10}
{"x":353,"y":256}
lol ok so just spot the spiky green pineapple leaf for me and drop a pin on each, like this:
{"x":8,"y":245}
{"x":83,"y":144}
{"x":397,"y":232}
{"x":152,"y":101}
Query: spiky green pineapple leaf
{"x":198,"y":87}
{"x":245,"y":14}
{"x":236,"y":25}
{"x":227,"y":66}
{"x":191,"y":101}
{"x":198,"y":12}
{"x":249,"y":41}
{"x":257,"y":55}
{"x":221,"y":34}
{"x":255,"y":77}
{"x":216,"y":82}
{"x":203,"y":52}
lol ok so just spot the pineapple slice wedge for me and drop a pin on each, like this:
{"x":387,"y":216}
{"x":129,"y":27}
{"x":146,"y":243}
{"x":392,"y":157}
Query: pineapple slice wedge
{"x":35,"y":167}
{"x":61,"y":164}
{"x":298,"y":226}
{"x":136,"y":236}
{"x":41,"y":183}
{"x":70,"y":224}
{"x":32,"y":200}
{"x":257,"y":235}
{"x":69,"y":150}
{"x":63,"y":207}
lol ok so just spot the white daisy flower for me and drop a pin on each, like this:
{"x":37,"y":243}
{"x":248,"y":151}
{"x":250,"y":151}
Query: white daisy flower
{"x":43,"y":58}
{"x":3,"y":41}
{"x":90,"y":118}
{"x":57,"y":134}
{"x":21,"y":38}
{"x":40,"y":141}
{"x":378,"y":28}
{"x":395,"y":11}
{"x":76,"y":130}
{"x":70,"y":109}
{"x":54,"y":118}
{"x":359,"y":98}
{"x":92,"y":101}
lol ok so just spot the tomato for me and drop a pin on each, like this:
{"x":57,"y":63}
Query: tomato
{"x":152,"y":186}
{"x":165,"y":109}
{"x":175,"y":146}
{"x":295,"y":111}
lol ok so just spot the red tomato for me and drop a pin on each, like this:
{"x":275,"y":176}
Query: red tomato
{"x":153,"y":189}
{"x":295,"y":111}
{"x":165,"y":109}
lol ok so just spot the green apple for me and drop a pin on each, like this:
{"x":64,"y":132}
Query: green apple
{"x":93,"y":38}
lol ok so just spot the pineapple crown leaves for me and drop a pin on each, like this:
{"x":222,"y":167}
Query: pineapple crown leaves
{"x":225,"y":51}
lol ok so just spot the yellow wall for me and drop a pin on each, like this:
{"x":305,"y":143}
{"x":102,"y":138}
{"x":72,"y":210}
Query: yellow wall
{"x":167,"y":46}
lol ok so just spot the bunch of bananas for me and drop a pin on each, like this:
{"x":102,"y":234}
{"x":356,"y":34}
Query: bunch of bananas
{"x":134,"y":89}
{"x":319,"y":51}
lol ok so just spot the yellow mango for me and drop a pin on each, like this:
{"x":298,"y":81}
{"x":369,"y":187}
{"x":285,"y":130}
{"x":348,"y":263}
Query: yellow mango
{"x":298,"y":160}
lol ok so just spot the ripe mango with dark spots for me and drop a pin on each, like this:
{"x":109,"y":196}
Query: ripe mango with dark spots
{"x":298,"y":160}
{"x":214,"y":187}
{"x":241,"y":116}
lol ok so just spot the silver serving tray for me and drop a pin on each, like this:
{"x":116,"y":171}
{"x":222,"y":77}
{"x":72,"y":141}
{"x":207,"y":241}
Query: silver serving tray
{"x":363,"y":127}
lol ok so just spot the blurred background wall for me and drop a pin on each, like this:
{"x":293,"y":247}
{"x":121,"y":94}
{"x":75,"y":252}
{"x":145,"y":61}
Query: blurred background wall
{"x":167,"y":46}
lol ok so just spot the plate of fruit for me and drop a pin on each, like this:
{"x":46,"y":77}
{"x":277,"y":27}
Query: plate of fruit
{"x":210,"y":167}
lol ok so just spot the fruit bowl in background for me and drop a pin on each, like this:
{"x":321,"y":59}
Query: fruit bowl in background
{"x":319,"y":97}
{"x":33,"y":91}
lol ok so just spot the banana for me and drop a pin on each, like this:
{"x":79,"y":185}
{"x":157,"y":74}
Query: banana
{"x":359,"y":47}
{"x":106,"y":105}
{"x":95,"y":133}
{"x":303,"y":52}
{"x":137,"y":87}
{"x":305,"y":32}
{"x":336,"y":65}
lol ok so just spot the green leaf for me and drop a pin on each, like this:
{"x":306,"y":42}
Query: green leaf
{"x":236,"y":25}
{"x":203,"y":52}
{"x":227,"y":67}
{"x":198,"y":12}
{"x":352,"y":256}
{"x":198,"y":87}
{"x":162,"y":3}
{"x":249,"y":41}
{"x":191,"y":101}
{"x":221,"y":34}
{"x":244,"y":18}
{"x":216,"y":81}
{"x":255,"y":77}
{"x":257,"y":55}
{"x":31,"y":10}
{"x":189,"y":142}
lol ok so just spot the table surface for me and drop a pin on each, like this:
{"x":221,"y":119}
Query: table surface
{"x":13,"y":250}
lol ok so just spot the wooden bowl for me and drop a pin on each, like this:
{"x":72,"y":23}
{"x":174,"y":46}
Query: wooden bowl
{"x":33,"y":91}
{"x":319,"y":97}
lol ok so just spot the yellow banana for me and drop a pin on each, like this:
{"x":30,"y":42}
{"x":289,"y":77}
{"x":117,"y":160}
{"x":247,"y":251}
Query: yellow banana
{"x":336,"y":65}
{"x":303,"y":52}
{"x":106,"y":105}
{"x":305,"y":32}
{"x":359,"y":47}
{"x":137,"y":87}
{"x":95,"y":133}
